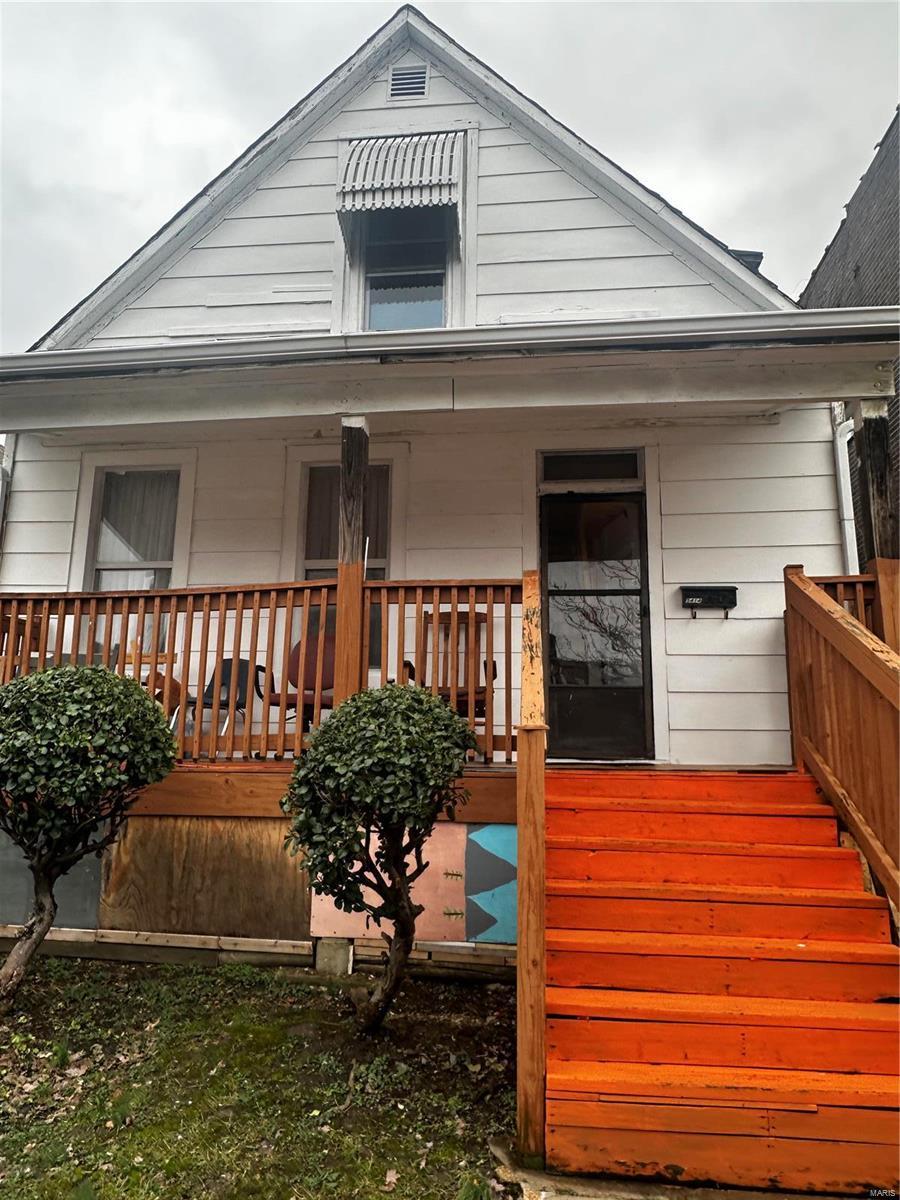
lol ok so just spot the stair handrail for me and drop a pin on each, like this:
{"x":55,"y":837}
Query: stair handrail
{"x":531,"y":747}
{"x":844,"y":700}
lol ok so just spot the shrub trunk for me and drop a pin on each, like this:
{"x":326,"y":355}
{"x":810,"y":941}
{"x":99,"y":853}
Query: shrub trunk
{"x":33,"y":932}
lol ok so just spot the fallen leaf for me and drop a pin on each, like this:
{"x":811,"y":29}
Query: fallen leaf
{"x":390,"y":1181}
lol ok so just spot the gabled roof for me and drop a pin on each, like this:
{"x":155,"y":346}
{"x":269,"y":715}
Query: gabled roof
{"x":407,"y":29}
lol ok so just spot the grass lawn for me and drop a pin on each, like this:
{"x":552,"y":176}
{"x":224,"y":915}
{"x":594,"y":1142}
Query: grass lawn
{"x":186,"y":1083}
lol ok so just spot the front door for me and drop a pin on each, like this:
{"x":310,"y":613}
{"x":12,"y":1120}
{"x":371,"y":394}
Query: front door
{"x":594,"y":559}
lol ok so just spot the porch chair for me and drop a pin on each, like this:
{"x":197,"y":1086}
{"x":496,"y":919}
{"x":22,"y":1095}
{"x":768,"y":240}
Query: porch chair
{"x":302,"y":700}
{"x":208,"y":699}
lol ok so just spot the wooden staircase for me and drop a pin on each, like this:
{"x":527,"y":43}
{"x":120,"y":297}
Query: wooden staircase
{"x":721,"y":989}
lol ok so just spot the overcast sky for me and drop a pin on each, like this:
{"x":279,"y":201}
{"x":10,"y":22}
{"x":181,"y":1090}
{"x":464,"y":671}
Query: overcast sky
{"x":756,"y":119}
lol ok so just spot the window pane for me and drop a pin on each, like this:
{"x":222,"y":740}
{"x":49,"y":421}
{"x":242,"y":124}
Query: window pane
{"x":406,"y":256}
{"x":137,"y":516}
{"x":593,"y":544}
{"x":406,"y":301}
{"x":561,"y":467}
{"x":322,"y":512}
{"x":377,"y":514}
{"x":139,"y":579}
{"x":408,"y":225}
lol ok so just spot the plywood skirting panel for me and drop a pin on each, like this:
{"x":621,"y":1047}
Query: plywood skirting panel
{"x":208,"y":875}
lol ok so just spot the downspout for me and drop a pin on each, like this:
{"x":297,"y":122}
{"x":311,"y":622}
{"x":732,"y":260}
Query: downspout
{"x":842,"y":435}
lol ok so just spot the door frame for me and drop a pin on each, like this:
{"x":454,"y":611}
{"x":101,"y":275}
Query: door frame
{"x":574,"y":493}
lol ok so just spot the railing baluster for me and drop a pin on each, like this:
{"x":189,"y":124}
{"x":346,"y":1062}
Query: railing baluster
{"x":252,"y":675}
{"x":201,"y":677}
{"x":171,"y":633}
{"x":385,"y":633}
{"x":320,"y":658}
{"x":60,"y":641}
{"x":185,"y":674}
{"x":27,"y":631}
{"x":435,"y":640}
{"x":419,"y":652}
{"x":107,"y":632}
{"x":124,"y":623}
{"x":507,"y":672}
{"x":137,"y":650}
{"x":301,"y":674}
{"x":489,"y":677}
{"x":76,"y":634}
{"x":366,"y":636}
{"x":453,"y":649}
{"x":285,"y":682}
{"x":401,"y":633}
{"x":216,"y":698}
{"x":472,"y":655}
{"x":269,"y":674}
{"x":43,"y":635}
{"x":235,"y":673}
{"x":91,"y":632}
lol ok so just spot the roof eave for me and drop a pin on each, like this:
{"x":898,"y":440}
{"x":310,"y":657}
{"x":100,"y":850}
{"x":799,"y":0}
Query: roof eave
{"x":767,"y":327}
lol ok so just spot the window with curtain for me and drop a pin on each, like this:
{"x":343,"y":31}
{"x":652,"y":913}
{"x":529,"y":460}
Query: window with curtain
{"x":322,"y":511}
{"x":323,"y":495}
{"x":134,"y":538}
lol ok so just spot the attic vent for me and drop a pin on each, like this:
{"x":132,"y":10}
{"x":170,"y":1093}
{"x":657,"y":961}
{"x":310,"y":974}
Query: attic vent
{"x":409,"y":82}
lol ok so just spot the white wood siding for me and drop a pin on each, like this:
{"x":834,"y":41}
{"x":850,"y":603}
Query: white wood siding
{"x":544,"y":244}
{"x":471,"y":512}
{"x":37,"y":541}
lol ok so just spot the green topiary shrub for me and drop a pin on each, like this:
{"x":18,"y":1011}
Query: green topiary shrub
{"x":363,"y":801}
{"x":77,"y":745}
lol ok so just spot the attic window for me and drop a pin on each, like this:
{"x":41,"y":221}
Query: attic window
{"x":408,"y":82}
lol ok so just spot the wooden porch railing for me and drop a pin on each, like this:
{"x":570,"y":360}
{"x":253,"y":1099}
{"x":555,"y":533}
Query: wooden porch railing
{"x":245,"y":673}
{"x":531,"y":970}
{"x":844,"y":693}
{"x":873,"y":598}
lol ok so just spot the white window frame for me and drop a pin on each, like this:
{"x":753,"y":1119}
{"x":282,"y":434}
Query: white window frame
{"x":460,"y":299}
{"x":87,"y":511}
{"x":300,"y":458}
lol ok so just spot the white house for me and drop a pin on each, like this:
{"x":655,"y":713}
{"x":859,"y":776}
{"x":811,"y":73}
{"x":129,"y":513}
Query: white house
{"x":546,"y":366}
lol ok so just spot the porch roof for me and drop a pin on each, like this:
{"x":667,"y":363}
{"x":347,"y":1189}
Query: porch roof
{"x":758,"y":358}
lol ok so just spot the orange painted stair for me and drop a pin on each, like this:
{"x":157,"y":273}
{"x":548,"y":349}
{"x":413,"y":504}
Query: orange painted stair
{"x":721,"y":1000}
{"x":816,"y":970}
{"x":716,"y":862}
{"x":704,"y":820}
{"x":704,"y":1030}
{"x":724,"y":911}
{"x":682,"y":785}
{"x":791,"y":1130}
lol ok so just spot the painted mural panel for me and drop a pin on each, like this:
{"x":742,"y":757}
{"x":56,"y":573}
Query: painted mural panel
{"x":469,"y":890}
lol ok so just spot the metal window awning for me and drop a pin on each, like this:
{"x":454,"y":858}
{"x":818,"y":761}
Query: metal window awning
{"x":412,"y":171}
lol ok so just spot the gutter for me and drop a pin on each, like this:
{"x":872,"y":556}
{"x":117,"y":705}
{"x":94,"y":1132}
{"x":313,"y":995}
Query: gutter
{"x":842,"y":435}
{"x":800,"y":326}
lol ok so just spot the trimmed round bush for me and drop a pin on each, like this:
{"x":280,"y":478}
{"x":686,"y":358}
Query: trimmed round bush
{"x":364,"y":799}
{"x":77,"y":745}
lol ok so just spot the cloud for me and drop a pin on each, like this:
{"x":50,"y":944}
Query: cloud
{"x":756,"y":119}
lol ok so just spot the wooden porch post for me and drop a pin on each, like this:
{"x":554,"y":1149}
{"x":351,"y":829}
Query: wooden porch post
{"x":531,"y":971}
{"x":792,"y":666}
{"x":887,"y":600}
{"x":351,"y":554}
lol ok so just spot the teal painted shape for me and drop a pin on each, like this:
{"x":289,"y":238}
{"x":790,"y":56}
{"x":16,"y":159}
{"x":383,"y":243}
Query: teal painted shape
{"x":501,"y":905}
{"x":496,"y":839}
